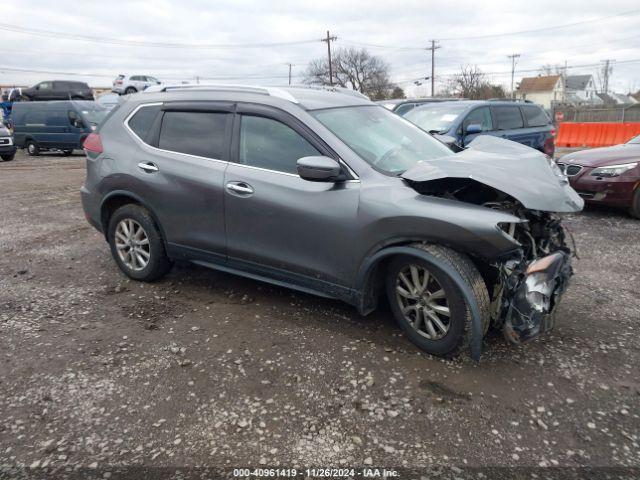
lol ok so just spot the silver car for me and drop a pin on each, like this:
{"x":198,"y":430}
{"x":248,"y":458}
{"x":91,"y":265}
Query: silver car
{"x":330,"y":194}
{"x":128,"y":84}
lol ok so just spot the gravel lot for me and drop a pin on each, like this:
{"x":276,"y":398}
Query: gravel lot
{"x":207,"y":369}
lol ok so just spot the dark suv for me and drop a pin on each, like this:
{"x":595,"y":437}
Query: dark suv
{"x":521,"y":122}
{"x":58,"y":90}
{"x":331,"y":194}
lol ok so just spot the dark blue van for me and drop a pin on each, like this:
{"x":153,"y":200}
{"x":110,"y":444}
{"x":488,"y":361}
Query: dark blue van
{"x":522,"y":122}
{"x":55,"y":125}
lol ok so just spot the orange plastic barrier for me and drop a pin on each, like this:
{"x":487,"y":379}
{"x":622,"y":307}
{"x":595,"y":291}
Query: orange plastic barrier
{"x":592,"y":134}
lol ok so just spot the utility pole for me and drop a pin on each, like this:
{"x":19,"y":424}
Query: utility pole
{"x":606,"y":71}
{"x":330,"y":39}
{"x":513,"y":57}
{"x":433,"y":49}
{"x":290,"y":65}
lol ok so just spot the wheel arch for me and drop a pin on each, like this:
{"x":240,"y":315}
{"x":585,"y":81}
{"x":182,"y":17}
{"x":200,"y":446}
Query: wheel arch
{"x":116,"y":199}
{"x":372,"y":270}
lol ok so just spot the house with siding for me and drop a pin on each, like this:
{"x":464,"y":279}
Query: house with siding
{"x":546,"y":91}
{"x":581,"y":90}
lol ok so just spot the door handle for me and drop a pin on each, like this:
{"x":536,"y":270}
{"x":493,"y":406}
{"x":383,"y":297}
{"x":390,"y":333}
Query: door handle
{"x":240,"y":187}
{"x":148,"y":167}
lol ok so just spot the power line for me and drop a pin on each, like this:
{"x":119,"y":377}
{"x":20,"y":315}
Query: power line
{"x":496,"y":35}
{"x":135,"y":43}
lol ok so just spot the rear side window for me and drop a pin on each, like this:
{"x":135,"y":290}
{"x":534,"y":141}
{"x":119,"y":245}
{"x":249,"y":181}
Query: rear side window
{"x":142,"y":120}
{"x":508,"y":117}
{"x":269,"y":144}
{"x":402,"y":109}
{"x":535,"y":116}
{"x":195,"y":133}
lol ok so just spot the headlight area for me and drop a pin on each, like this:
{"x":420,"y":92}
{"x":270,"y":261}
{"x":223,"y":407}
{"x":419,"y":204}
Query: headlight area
{"x":533,"y":291}
{"x":613,"y":170}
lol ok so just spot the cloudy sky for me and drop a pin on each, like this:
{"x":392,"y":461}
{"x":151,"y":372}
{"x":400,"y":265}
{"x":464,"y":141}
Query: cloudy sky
{"x":246,"y":41}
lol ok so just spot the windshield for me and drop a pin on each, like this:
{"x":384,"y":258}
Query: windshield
{"x":436,"y":117}
{"x":380,"y":137}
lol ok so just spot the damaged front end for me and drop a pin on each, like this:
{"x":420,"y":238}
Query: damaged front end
{"x":530,"y":281}
{"x":525,"y":283}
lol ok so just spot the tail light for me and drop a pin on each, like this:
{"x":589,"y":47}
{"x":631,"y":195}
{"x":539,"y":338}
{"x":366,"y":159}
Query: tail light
{"x":92,"y":143}
{"x":553,"y":132}
{"x":118,"y":82}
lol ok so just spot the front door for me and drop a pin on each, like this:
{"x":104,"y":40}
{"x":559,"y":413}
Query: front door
{"x":276,"y":220}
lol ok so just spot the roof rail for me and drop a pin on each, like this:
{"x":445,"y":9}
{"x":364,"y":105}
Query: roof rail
{"x":332,"y":88}
{"x":271,"y":91}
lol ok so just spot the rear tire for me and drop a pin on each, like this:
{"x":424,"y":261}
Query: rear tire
{"x":450,"y":331}
{"x":634,"y":210}
{"x":8,"y":158}
{"x":136,"y":244}
{"x":130,"y":90}
{"x":67,"y":153}
{"x":32,"y":148}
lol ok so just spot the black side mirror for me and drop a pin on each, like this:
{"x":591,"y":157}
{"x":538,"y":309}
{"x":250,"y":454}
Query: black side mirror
{"x":473,"y":128}
{"x":319,"y":169}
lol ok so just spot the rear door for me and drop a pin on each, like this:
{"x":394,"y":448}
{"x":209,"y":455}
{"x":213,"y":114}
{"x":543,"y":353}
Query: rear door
{"x":179,"y":170}
{"x":537,"y":126}
{"x":294,"y":228}
{"x":509,"y":124}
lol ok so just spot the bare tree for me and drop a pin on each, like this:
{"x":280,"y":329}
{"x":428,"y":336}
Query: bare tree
{"x":548,"y":69}
{"x":353,"y":68}
{"x":471,"y":83}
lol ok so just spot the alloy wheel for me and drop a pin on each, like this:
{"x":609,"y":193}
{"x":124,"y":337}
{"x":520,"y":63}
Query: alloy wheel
{"x":423,"y":302}
{"x":132,"y":244}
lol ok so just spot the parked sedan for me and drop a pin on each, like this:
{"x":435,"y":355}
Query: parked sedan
{"x":608,"y":176}
{"x":403,"y":105}
{"x":128,"y":84}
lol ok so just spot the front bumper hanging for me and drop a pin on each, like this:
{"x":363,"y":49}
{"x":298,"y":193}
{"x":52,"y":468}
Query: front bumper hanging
{"x":537,"y":290}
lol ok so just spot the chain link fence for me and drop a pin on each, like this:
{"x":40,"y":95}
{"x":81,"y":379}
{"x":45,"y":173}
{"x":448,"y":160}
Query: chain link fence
{"x":622,"y":113}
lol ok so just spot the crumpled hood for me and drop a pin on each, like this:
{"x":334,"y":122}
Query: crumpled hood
{"x":519,"y":171}
{"x":601,"y":157}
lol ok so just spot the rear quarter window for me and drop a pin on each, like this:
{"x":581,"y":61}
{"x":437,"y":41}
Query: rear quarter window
{"x":507,"y":117}
{"x":535,"y":116}
{"x":142,"y":121}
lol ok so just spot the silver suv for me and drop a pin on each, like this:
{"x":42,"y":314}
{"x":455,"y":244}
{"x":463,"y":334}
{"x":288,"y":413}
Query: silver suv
{"x":128,"y":84}
{"x":328,"y":193}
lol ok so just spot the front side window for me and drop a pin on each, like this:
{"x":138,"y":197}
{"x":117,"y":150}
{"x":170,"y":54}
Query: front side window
{"x":383,"y":139}
{"x":270,"y":144}
{"x":508,"y":117}
{"x":480,"y":116}
{"x":535,"y":116}
{"x":143,"y":119}
{"x":195,"y":133}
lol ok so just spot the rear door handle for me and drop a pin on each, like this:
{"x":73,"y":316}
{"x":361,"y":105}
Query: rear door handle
{"x":240,"y":188}
{"x":148,"y":167}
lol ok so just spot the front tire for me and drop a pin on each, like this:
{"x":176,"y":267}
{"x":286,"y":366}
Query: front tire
{"x":136,"y":244}
{"x":32,"y":148}
{"x":634,"y":209}
{"x":67,"y":153}
{"x":428,"y":305}
{"x":8,"y":158}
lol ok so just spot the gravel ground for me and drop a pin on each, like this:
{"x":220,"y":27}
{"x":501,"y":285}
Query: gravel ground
{"x":207,"y":369}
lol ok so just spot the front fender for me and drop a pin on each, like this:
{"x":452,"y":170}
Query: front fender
{"x":368,"y":267}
